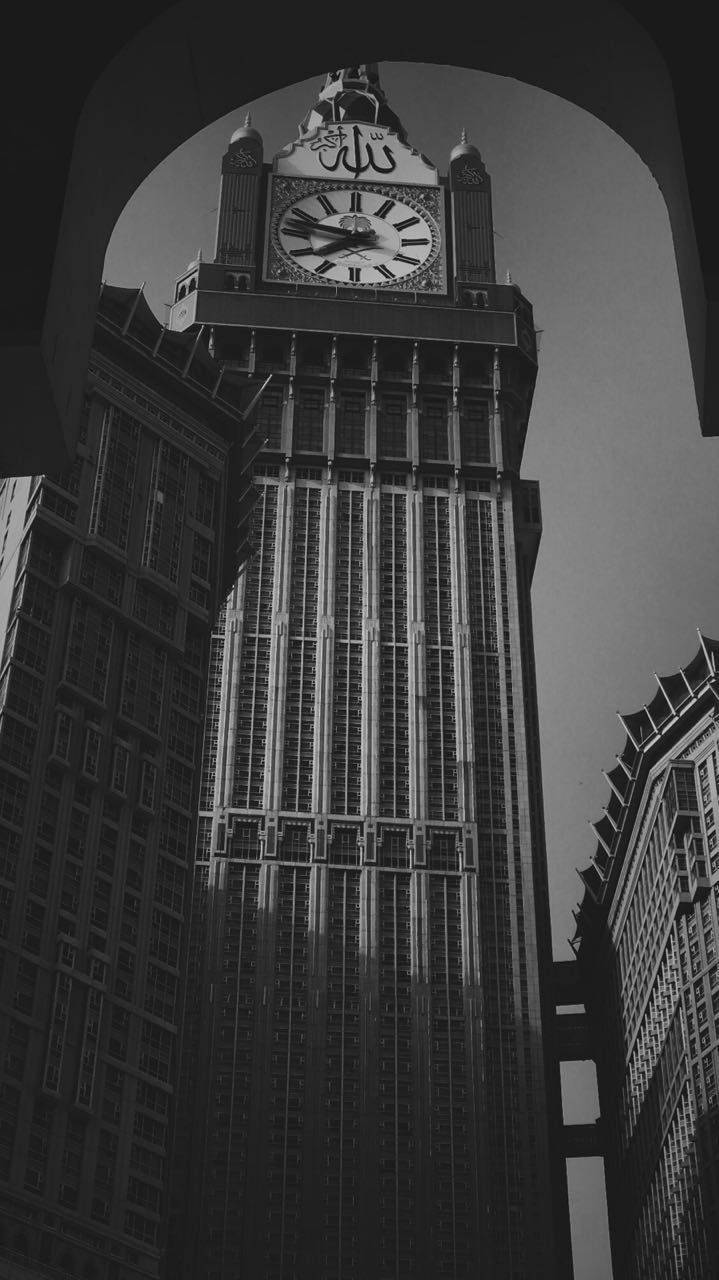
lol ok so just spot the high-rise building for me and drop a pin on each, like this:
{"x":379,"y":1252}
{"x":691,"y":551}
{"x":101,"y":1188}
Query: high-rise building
{"x":647,"y":946}
{"x":369,"y":1086}
{"x":110,"y":575}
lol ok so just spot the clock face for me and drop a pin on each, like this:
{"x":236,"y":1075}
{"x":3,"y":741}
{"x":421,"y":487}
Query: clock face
{"x":355,"y":237}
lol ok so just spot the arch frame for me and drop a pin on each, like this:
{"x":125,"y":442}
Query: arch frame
{"x":167,"y":71}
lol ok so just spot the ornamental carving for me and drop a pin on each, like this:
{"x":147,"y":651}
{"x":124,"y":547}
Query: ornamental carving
{"x":470,"y":175}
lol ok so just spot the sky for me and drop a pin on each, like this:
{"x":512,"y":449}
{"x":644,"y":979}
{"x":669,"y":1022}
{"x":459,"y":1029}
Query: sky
{"x":627,"y":570}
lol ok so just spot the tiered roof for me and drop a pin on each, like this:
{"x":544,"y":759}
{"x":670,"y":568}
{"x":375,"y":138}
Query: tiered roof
{"x":665,"y":717}
{"x":179,"y":367}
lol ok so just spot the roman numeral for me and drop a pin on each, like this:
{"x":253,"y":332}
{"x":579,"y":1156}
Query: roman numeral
{"x":305,"y":217}
{"x":327,"y":204}
{"x":414,"y":240}
{"x":354,"y":274}
{"x":355,"y":202}
{"x":302,"y":253}
{"x":406,"y":222}
{"x":385,"y":271}
{"x":324,"y":267}
{"x":404,"y":257}
{"x":384,"y":209}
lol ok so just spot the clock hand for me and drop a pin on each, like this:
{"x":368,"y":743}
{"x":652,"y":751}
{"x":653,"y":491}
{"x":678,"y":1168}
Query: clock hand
{"x":350,"y":244}
{"x":320,"y":230}
{"x":355,"y":253}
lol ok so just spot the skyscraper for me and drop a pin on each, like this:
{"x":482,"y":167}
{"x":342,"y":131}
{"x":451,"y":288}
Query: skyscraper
{"x":369,"y":1086}
{"x":647,"y":947}
{"x":110,"y":575}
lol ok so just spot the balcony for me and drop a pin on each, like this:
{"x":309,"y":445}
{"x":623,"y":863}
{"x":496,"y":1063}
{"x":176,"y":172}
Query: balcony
{"x":431,"y":319}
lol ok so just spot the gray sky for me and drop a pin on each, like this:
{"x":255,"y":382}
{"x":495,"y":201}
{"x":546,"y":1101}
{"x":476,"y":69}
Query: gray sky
{"x":626,"y":570}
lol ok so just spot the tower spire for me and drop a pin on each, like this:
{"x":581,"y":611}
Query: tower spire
{"x":352,"y":93}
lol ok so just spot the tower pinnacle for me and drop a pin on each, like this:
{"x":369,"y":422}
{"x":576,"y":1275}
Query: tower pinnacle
{"x":465,"y":148}
{"x":352,"y":93}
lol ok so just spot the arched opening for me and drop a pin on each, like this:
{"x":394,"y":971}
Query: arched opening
{"x":605,"y":60}
{"x":588,"y":442}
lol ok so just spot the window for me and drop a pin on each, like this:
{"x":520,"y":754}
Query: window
{"x":474,"y":431}
{"x":269,"y":417}
{"x":392,"y":426}
{"x":309,"y":421}
{"x":143,"y":682}
{"x":201,"y":557}
{"x":87,"y":659}
{"x":205,"y":504}
{"x":120,"y":765}
{"x":350,"y":422}
{"x":148,"y":780}
{"x":61,"y":739}
{"x":433,"y":428}
{"x":91,"y":752}
{"x":102,"y":576}
{"x":165,"y":511}
{"x":115,"y":478}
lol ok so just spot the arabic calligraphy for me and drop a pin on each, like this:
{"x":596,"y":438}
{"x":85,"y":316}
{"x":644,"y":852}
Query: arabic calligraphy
{"x":470,"y":175}
{"x":330,"y":139}
{"x":351,"y":152}
{"x":242,"y":159}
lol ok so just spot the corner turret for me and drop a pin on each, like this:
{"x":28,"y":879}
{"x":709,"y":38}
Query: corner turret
{"x":473,"y":231}
{"x":236,"y":237}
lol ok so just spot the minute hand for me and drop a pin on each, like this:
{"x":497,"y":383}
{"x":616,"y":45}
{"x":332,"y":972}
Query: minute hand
{"x":320,"y":230}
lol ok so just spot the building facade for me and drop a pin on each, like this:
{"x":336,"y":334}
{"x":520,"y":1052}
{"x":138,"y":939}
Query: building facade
{"x":647,"y":947}
{"x":110,"y":576}
{"x":368,"y":1084}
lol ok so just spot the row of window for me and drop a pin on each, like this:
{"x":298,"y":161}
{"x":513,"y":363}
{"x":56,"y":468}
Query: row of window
{"x":351,"y":424}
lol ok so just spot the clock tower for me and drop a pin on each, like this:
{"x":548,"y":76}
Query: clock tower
{"x":369,"y":1082}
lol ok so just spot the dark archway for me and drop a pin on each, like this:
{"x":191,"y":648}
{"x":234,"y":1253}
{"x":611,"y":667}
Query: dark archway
{"x":162,"y":72}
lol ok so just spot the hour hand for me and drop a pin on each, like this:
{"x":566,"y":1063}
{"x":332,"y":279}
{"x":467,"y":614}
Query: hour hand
{"x":308,"y":229}
{"x":349,"y":242}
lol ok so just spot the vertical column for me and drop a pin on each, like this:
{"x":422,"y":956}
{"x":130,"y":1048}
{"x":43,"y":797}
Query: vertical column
{"x":455,"y":428}
{"x":533,"y":942}
{"x":413,"y":419}
{"x":416,"y":674}
{"x":332,"y":409}
{"x":279,"y":647}
{"x":422,"y":1067}
{"x":466,"y":809}
{"x":230,"y":694}
{"x":371,"y":655}
{"x":325,"y":650}
{"x":369,"y":1016}
{"x":373,"y":405}
{"x":475,"y":1069}
{"x":496,"y":434}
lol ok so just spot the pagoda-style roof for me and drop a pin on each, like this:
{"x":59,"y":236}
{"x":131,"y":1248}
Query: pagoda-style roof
{"x":128,"y":312}
{"x":178,"y":366}
{"x":676,"y":697}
